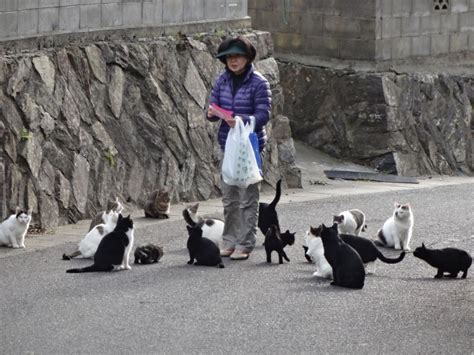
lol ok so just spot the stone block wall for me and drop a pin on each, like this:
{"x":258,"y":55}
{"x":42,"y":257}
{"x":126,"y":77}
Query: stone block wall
{"x":367,"y":30}
{"x":413,"y":28}
{"x":336,"y":29}
{"x":29,"y":18}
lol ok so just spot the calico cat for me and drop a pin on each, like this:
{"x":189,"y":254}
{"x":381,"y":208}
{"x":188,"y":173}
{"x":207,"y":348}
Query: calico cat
{"x":113,"y":252}
{"x":148,"y":254}
{"x":450,"y":260}
{"x":202,"y":249}
{"x":13,"y":230}
{"x":267,"y":214}
{"x":101,"y":217}
{"x":350,"y":222}
{"x":276,"y":241}
{"x":396,"y":232}
{"x":348,"y":269}
{"x":158,"y":204}
{"x":88,"y":245}
{"x":316,"y":253}
{"x":212,"y":228}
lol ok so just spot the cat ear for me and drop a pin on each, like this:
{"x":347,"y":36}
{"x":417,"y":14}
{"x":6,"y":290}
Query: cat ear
{"x":334,"y":226}
{"x":423,"y":245}
{"x":396,"y":204}
{"x":17,"y":209}
{"x":30,"y":211}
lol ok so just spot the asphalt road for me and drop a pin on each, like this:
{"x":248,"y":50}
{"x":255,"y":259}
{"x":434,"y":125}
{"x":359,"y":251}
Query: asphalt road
{"x":250,"y":306}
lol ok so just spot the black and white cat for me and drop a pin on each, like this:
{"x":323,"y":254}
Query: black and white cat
{"x":13,"y":230}
{"x":148,"y":254}
{"x":267,"y":214}
{"x":89,"y":244}
{"x":212,"y":228}
{"x":397,"y":231}
{"x":350,"y":222}
{"x":316,"y":253}
{"x":449,"y":260}
{"x":102,"y":217}
{"x":113,"y":252}
{"x":348,"y":269}
{"x":276,"y":241}
{"x":158,"y":204}
{"x":203,"y":250}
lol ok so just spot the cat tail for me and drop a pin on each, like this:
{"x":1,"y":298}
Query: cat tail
{"x":277,"y":194}
{"x":188,"y":218}
{"x":389,"y":260}
{"x":91,"y":268}
{"x":221,"y":265}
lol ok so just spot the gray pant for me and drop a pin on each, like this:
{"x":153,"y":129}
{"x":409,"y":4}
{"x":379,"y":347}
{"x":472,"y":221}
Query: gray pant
{"x":240,"y":216}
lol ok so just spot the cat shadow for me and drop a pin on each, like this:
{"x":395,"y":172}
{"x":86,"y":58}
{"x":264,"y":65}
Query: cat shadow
{"x":430,"y":279}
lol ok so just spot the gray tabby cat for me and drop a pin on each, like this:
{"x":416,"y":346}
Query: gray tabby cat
{"x":158,"y":204}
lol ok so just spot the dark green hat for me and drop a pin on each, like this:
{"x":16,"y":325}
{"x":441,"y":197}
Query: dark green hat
{"x":238,"y":45}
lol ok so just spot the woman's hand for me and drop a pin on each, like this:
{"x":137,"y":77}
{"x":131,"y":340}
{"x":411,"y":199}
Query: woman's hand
{"x":230,"y":121}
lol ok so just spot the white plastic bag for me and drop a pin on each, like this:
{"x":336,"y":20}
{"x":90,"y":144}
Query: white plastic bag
{"x":239,"y":167}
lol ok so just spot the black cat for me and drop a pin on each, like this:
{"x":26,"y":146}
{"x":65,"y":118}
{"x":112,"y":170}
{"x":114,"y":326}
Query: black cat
{"x":202,"y":249}
{"x":276,"y":241}
{"x":114,"y":249}
{"x":348,"y":269}
{"x":148,"y":254}
{"x":267,"y":214}
{"x":450,"y":260}
{"x":367,"y":250}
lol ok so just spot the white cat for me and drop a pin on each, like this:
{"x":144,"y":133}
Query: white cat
{"x":212,"y":228}
{"x":88,"y":245}
{"x":396,"y":232}
{"x":13,"y":230}
{"x":101,"y":217}
{"x":350,"y":222}
{"x":316,"y":252}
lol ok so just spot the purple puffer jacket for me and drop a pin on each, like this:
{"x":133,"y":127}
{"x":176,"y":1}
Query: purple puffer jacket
{"x":253,"y":98}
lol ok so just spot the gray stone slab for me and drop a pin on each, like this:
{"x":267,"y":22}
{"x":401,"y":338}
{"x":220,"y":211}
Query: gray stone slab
{"x":111,"y":15}
{"x":386,"y":7}
{"x":471,"y":5}
{"x":357,"y":175}
{"x":420,"y":46}
{"x":69,"y":18}
{"x":27,"y":4}
{"x":449,"y":23}
{"x":401,"y":8}
{"x":348,"y":27}
{"x":69,"y":2}
{"x":430,"y":24}
{"x":466,"y":21}
{"x":421,"y":7}
{"x":8,"y":24}
{"x":90,"y":2}
{"x":471,"y":41}
{"x":236,"y":9}
{"x":439,"y":44}
{"x":383,"y":49}
{"x":458,"y":42}
{"x":215,"y":9}
{"x":8,"y":5}
{"x":48,"y":3}
{"x":132,"y":13}
{"x":48,"y":19}
{"x":172,"y":11}
{"x":194,"y":10}
{"x":90,"y":16}
{"x":401,"y":48}
{"x":27,"y":22}
{"x":391,"y":27}
{"x":410,"y":26}
{"x":459,"y":5}
{"x":357,"y":49}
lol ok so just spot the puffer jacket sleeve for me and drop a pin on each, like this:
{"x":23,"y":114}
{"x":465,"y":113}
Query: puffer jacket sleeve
{"x":214,"y":99}
{"x":263,"y":105}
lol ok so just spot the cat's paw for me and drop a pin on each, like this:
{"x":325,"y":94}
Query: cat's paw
{"x":190,"y":262}
{"x":22,"y":246}
{"x":15,"y":246}
{"x":407,"y":249}
{"x":127,"y":267}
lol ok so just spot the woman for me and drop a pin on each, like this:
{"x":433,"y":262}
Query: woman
{"x":245,"y":92}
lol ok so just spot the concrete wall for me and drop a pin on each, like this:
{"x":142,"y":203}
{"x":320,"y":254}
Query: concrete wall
{"x":337,"y":29}
{"x":411,"y":28}
{"x":30,"y":18}
{"x":366,"y":29}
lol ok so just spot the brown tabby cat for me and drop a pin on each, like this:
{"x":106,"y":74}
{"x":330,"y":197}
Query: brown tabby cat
{"x":158,"y":204}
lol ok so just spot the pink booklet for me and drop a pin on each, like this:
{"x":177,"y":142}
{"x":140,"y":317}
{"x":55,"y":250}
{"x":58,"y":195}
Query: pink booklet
{"x":221,"y":110}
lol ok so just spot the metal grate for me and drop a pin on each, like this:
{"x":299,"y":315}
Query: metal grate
{"x":441,"y":5}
